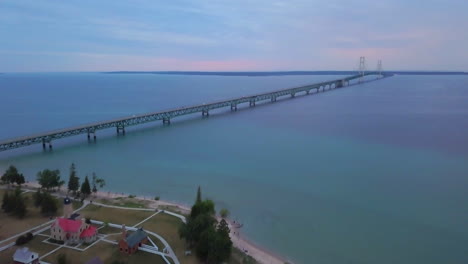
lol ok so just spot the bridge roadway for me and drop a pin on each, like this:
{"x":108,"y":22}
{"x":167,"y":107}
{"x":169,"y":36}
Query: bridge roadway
{"x":165,"y":116}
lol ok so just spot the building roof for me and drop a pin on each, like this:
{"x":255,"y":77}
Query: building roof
{"x":136,"y":237}
{"x":89,"y":232}
{"x":95,"y":260}
{"x":68,"y":225}
{"x":23,"y":255}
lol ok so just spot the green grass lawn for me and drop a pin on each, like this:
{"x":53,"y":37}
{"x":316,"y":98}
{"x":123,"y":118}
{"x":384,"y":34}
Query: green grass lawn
{"x":11,"y":225}
{"x":167,"y":226}
{"x":113,"y":215}
{"x":34,"y":245}
{"x":125,"y":202}
{"x":106,"y":252}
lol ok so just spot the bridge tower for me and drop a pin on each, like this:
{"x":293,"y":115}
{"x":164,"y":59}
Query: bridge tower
{"x":362,"y":67}
{"x":379,"y":67}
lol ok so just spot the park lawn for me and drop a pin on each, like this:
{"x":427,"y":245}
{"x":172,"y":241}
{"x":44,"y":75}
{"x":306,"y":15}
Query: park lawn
{"x":109,"y":230}
{"x":106,"y":252}
{"x":174,"y":209}
{"x":6,"y":256}
{"x":11,"y":225}
{"x":114,"y":215}
{"x":34,"y":245}
{"x":167,"y":226}
{"x":125,"y":202}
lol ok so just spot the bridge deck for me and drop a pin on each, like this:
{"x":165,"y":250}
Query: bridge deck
{"x":121,"y":123}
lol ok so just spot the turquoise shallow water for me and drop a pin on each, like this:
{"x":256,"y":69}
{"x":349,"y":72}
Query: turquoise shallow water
{"x":375,"y":173}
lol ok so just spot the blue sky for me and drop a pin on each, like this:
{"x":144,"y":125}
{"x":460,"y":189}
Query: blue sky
{"x":239,"y":35}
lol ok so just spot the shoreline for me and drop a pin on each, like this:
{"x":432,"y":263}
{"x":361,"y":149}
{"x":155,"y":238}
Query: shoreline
{"x":239,"y":239}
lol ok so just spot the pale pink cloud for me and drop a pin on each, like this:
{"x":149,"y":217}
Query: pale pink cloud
{"x":111,"y":62}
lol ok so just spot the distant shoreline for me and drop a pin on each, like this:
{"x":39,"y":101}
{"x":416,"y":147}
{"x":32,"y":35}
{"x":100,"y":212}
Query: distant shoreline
{"x":283,"y":73}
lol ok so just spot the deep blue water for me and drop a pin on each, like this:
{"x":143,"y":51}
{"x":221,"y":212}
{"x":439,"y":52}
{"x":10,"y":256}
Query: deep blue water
{"x":374,"y":173}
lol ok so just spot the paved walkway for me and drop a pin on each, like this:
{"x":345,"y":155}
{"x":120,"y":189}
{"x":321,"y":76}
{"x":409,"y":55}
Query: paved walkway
{"x":167,"y":246}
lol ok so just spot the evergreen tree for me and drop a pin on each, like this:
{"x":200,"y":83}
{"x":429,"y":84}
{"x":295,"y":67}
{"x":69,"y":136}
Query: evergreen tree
{"x":73,"y":181}
{"x":20,"y":179}
{"x":14,"y":203}
{"x":20,"y":206}
{"x":210,"y":240}
{"x":199,"y":197}
{"x":37,"y":197}
{"x":85,"y":188}
{"x":6,"y":202}
{"x":48,"y":204}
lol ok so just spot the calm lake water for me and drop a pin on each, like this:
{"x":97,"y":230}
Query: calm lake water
{"x":374,"y":173}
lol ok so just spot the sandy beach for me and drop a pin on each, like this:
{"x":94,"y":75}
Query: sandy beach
{"x":239,"y":240}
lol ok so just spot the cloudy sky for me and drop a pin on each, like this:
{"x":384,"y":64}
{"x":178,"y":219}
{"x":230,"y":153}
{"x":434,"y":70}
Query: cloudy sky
{"x":232,"y":35}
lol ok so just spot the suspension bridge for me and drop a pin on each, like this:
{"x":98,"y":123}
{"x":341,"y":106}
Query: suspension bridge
{"x":166,"y":116}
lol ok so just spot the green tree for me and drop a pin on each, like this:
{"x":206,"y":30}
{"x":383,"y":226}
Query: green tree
{"x":12,"y":175}
{"x":20,"y":206}
{"x":199,"y":197}
{"x":211,"y":240}
{"x":48,"y":204}
{"x":214,"y":245}
{"x":224,"y":213}
{"x":73,"y":181}
{"x":222,"y":247}
{"x":6,"y":205}
{"x":20,"y":179}
{"x":98,"y":183}
{"x":49,"y":179}
{"x":14,"y":203}
{"x":203,"y":207}
{"x":85,"y":188}
{"x":37,"y":197}
{"x":205,"y":245}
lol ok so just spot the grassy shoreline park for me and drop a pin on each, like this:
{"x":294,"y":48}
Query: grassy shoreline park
{"x":153,"y":215}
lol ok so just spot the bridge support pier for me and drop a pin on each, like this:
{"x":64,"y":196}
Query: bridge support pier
{"x":122,"y":128}
{"x":293,"y":95}
{"x":205,"y":113}
{"x":166,"y":121}
{"x":273,"y":99}
{"x":233,"y":107}
{"x":50,"y":145}
{"x":308,"y":92}
{"x":252,"y":103}
{"x":43,"y":144}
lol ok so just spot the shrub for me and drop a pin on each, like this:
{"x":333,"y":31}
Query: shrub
{"x":21,"y":240}
{"x":156,"y":198}
{"x":131,"y":196}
